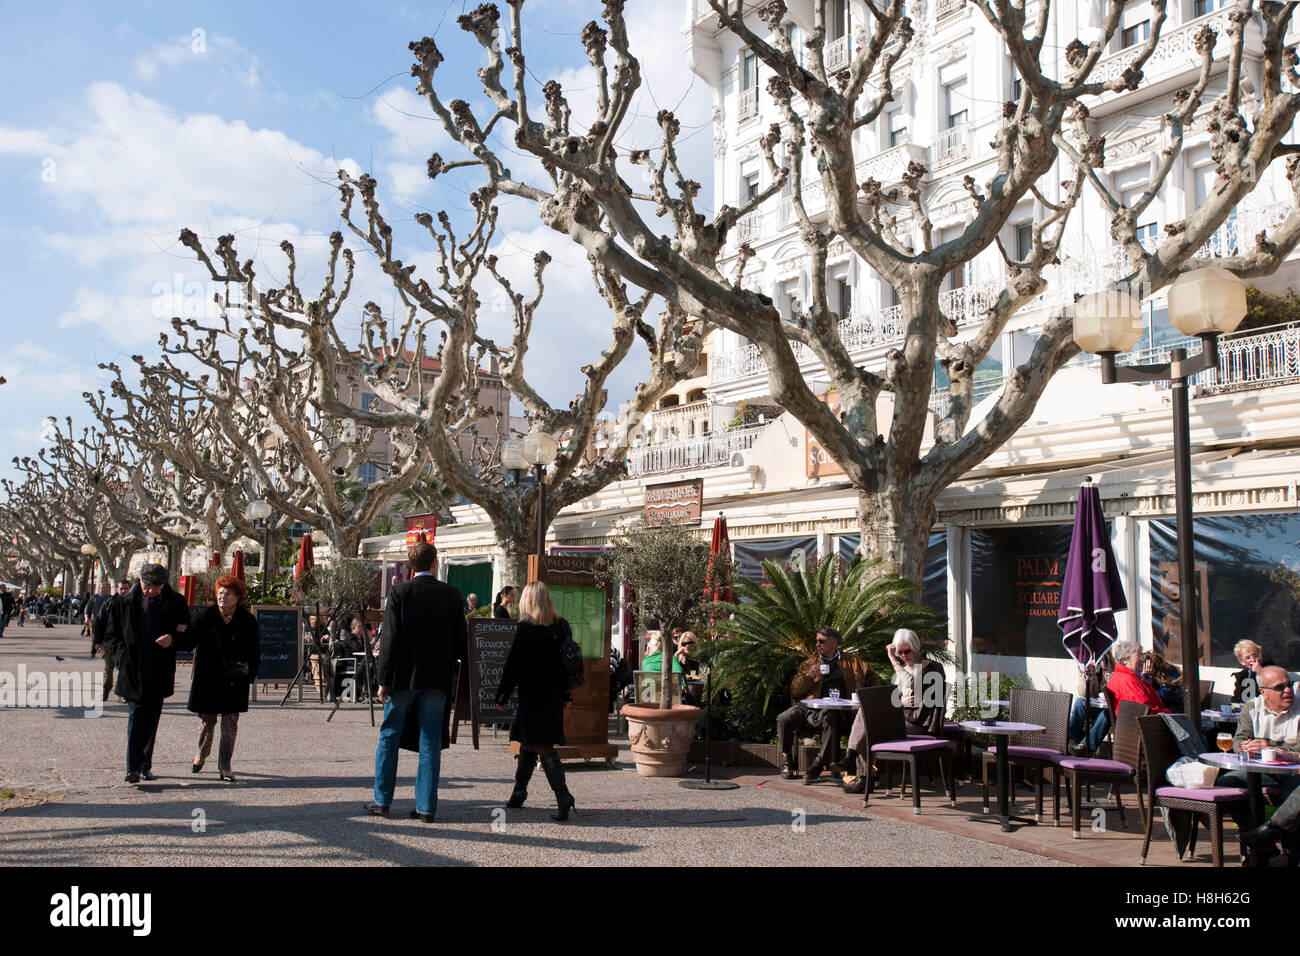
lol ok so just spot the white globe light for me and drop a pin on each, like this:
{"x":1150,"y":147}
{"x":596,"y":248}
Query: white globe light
{"x":512,"y":455}
{"x":1209,"y":301}
{"x":1107,"y":321}
{"x":540,"y":448}
{"x":258,"y":510}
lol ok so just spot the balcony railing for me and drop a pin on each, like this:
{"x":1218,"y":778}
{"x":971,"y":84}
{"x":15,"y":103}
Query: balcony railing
{"x":1174,"y":47}
{"x":713,"y":451}
{"x":749,"y":228}
{"x":889,"y":165}
{"x":837,"y":54}
{"x":748,"y":107}
{"x":946,"y":8}
{"x":1256,"y":358}
{"x":952,"y":145}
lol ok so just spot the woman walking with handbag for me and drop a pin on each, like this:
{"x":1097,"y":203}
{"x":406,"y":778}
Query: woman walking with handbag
{"x":226,"y":657}
{"x":536,"y":666}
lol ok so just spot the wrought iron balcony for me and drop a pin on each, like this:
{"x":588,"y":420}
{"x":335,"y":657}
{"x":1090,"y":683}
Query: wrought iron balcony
{"x":712,"y":451}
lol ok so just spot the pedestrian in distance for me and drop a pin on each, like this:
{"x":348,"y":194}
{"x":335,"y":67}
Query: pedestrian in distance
{"x":145,"y":629}
{"x":227,"y":654}
{"x":424,"y":635}
{"x":505,"y":597}
{"x":536,"y":666}
{"x":98,"y":630}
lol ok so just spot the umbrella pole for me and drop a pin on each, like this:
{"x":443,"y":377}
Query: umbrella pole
{"x":708,"y":783}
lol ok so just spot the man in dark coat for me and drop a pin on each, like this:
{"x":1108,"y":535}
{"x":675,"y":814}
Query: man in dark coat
{"x":6,"y":607}
{"x":145,"y":628}
{"x":424,"y":635}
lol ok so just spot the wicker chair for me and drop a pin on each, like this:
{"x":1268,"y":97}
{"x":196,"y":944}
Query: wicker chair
{"x":889,"y":742}
{"x":1080,"y":770}
{"x":1049,"y":709}
{"x":1159,"y":750}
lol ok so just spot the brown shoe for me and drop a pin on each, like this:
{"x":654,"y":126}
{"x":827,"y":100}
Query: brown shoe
{"x":856,"y":784}
{"x":814,"y":771}
{"x":788,"y":765}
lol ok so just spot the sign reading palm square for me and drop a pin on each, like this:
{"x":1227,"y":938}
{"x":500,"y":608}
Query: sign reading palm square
{"x":677,"y":502}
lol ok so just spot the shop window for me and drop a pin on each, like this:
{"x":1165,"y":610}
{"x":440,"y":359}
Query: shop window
{"x":1016,"y":575}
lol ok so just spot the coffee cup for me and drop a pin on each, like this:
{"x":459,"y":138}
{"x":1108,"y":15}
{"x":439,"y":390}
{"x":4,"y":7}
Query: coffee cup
{"x":855,"y":698}
{"x":1226,"y":710}
{"x":826,"y":669}
{"x":1268,"y":755}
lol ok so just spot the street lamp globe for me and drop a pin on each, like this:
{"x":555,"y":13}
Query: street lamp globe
{"x":258,"y":510}
{"x":512,"y":455}
{"x":1208,"y":301}
{"x":540,"y":447}
{"x":318,"y":537}
{"x":1107,"y":321}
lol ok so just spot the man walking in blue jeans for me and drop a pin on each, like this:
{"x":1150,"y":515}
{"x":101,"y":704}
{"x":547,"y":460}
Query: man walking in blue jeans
{"x":424,"y":635}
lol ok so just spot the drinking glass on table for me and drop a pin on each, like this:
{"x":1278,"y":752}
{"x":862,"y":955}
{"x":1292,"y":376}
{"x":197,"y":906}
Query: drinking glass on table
{"x":835,"y":693}
{"x":1224,"y":740}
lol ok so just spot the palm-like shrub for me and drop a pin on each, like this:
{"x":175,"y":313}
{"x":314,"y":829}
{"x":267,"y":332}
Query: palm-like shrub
{"x":761,"y":641}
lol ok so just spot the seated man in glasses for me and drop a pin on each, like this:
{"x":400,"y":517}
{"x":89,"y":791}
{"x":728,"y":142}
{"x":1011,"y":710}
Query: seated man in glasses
{"x":1272,"y":720}
{"x":829,"y":669}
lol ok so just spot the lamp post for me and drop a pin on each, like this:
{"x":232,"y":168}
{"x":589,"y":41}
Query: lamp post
{"x":88,"y":550}
{"x":1205,"y":303}
{"x":259,"y":512}
{"x":539,"y":450}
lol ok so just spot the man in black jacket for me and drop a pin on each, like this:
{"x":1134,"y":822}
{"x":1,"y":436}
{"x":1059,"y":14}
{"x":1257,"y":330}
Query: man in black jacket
{"x":143,"y":631}
{"x":424,"y":635}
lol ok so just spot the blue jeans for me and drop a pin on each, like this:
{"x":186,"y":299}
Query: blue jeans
{"x":428,"y":706}
{"x":1100,"y":724}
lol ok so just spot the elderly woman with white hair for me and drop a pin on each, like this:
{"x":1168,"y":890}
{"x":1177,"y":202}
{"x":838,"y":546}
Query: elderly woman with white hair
{"x":1126,"y":684}
{"x":920,"y":684}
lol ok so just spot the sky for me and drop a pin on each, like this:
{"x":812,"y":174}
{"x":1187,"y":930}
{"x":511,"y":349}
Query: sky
{"x":124,"y":122}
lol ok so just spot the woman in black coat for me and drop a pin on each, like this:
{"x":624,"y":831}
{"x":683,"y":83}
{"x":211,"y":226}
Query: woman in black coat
{"x":536,"y":667}
{"x":226,"y":657}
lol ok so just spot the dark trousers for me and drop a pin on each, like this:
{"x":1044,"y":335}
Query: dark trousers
{"x":800,"y":720}
{"x":141,"y":728}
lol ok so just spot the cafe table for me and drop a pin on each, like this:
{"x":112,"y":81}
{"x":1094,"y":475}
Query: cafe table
{"x":834,"y":706}
{"x":1254,"y":770}
{"x":1001,"y":729}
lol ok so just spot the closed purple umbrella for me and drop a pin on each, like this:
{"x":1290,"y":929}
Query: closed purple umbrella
{"x":1091,"y":592}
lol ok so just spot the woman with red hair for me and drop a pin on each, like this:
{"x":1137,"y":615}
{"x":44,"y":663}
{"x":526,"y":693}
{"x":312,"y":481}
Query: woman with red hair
{"x":226,"y":656}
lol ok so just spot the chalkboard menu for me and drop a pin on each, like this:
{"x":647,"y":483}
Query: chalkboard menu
{"x":489,"y":646}
{"x":280,"y":634}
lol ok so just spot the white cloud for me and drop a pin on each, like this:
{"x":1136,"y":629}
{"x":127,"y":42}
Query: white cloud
{"x":218,"y":54}
{"x":135,"y":161}
{"x":407,"y":116}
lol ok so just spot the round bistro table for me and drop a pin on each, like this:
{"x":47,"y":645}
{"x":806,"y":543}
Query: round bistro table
{"x":1001,"y":729}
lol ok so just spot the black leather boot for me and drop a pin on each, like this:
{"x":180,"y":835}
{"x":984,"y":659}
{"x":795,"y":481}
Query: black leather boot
{"x":523,"y":773}
{"x":555,"y":777}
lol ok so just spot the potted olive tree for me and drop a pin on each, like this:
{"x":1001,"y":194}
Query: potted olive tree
{"x":664,"y":570}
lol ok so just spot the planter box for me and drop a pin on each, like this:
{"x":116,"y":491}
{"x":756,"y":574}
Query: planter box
{"x":765,"y":756}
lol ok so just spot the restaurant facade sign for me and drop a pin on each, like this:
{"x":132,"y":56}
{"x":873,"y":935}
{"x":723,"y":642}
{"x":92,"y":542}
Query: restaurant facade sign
{"x":676,"y":502}
{"x":417,"y":525}
{"x":817,"y":462}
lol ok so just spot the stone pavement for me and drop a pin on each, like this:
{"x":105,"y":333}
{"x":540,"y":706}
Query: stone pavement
{"x":302,"y":781}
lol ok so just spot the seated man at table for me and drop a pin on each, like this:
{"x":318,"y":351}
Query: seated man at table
{"x":1271,"y":720}
{"x":829,"y":669}
{"x":1125,"y":684}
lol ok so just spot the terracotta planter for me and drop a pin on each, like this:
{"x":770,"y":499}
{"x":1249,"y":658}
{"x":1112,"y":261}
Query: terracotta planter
{"x":661,"y":739}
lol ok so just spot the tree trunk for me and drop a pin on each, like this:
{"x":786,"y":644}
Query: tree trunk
{"x":896,"y":531}
{"x":513,"y":561}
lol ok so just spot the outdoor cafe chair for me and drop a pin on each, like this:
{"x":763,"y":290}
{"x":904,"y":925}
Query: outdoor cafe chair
{"x":1160,"y":750}
{"x":1049,"y":709}
{"x":889,"y":742}
{"x":1119,"y":770}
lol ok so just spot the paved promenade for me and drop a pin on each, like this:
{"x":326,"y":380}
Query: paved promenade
{"x":302,"y":781}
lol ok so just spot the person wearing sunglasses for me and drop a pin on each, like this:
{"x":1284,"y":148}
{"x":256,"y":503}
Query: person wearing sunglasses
{"x":1272,"y":720}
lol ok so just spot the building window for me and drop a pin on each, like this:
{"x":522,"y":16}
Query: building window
{"x":368,"y":473}
{"x":748,"y":86}
{"x":1024,"y":240}
{"x":845,"y":297}
{"x":1137,"y":33}
{"x":367,"y":399}
{"x":835,"y":15}
{"x":1148,"y":234}
{"x":1201,"y":7}
{"x":792,"y":34}
{"x":1016,"y":576}
{"x":1017,"y":85}
{"x":898,"y":132}
{"x":955,"y":103}
{"x":748,"y":186}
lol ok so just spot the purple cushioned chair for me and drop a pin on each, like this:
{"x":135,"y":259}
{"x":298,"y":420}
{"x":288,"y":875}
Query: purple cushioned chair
{"x":889,"y":742}
{"x":1049,"y":709}
{"x":1080,"y":770}
{"x":1160,"y":750}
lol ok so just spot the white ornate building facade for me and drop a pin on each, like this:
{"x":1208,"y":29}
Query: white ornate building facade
{"x":998,"y":547}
